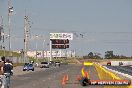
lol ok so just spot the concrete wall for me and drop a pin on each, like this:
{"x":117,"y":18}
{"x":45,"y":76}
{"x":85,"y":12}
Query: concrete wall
{"x":125,"y":63}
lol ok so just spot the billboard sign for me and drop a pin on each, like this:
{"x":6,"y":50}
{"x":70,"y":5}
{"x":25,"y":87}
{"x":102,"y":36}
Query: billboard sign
{"x":68,"y":36}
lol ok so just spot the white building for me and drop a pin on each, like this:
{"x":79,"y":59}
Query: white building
{"x":60,"y":53}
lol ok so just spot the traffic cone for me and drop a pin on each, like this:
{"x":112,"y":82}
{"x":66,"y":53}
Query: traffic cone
{"x":63,"y":80}
{"x":78,"y":78}
{"x":67,"y":78}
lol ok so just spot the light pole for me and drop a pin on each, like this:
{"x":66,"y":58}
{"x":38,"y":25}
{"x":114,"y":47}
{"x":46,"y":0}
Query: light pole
{"x":10,"y":11}
{"x":56,"y":54}
{"x":50,"y":51}
{"x":43,"y":48}
{"x":36,"y":47}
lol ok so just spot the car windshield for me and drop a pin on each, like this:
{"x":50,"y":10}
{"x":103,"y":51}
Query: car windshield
{"x":57,"y":62}
{"x":44,"y":62}
{"x":30,"y":65}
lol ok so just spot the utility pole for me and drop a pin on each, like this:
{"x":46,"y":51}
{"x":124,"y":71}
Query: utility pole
{"x":26,"y":37}
{"x":66,"y":54}
{"x":43,"y":49}
{"x":10,"y":11}
{"x":2,"y":35}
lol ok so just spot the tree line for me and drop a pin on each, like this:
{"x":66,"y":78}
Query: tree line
{"x":108,"y":55}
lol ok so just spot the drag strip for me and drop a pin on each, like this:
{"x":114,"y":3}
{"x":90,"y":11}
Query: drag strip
{"x":52,"y":78}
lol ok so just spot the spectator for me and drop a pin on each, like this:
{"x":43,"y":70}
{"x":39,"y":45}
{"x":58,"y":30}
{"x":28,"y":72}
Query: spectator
{"x":7,"y":72}
{"x":2,"y":72}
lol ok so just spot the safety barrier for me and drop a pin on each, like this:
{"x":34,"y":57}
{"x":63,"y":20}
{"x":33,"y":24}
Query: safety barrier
{"x":107,"y":75}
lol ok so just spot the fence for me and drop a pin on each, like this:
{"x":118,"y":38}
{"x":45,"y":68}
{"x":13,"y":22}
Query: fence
{"x":15,"y":59}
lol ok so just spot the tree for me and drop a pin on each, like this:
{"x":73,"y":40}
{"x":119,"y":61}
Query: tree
{"x":97,"y":56}
{"x":90,"y":55}
{"x":109,"y":54}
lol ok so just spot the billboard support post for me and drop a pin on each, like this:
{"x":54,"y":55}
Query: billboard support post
{"x":59,"y":41}
{"x":50,"y":50}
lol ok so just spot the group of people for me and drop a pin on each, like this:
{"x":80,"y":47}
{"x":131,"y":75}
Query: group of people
{"x":6,"y":70}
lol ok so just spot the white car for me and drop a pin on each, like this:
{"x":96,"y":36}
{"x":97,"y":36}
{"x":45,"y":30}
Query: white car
{"x":44,"y":65}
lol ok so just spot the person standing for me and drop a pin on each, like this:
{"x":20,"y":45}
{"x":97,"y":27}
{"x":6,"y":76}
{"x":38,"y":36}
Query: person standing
{"x":7,"y":72}
{"x":2,"y":77}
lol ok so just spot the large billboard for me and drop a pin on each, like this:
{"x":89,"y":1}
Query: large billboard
{"x":68,"y":36}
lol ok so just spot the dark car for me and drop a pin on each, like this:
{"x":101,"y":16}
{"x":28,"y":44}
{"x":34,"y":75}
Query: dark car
{"x":120,"y":63}
{"x":28,"y":66}
{"x":51,"y":63}
{"x":44,"y":65}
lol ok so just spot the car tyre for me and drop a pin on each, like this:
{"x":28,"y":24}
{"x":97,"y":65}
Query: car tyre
{"x":32,"y":69}
{"x":109,"y":64}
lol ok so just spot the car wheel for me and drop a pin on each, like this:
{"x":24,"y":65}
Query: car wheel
{"x":24,"y":70}
{"x":109,"y":64}
{"x":32,"y":69}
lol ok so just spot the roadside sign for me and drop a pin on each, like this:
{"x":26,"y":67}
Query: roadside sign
{"x":68,"y":36}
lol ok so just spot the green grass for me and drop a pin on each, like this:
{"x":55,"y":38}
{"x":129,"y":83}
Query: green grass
{"x":18,"y":64}
{"x":14,"y":54}
{"x":63,"y":60}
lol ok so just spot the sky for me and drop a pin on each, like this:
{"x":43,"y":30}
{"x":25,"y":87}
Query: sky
{"x":105,"y":24}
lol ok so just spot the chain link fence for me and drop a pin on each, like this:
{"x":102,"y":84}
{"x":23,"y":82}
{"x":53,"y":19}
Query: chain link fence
{"x":15,"y":59}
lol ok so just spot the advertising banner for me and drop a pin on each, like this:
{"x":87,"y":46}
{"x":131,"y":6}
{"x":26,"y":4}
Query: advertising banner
{"x":68,"y":36}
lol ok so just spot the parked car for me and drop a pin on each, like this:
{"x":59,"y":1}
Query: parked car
{"x":51,"y":63}
{"x":57,"y":64}
{"x":44,"y":65}
{"x":120,"y":63}
{"x":28,"y":66}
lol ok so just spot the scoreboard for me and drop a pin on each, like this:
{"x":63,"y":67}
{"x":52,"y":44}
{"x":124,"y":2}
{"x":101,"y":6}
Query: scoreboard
{"x":60,"y":43}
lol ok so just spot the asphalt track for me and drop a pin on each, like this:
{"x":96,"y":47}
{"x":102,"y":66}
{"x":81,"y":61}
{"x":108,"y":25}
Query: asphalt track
{"x":123,"y":69}
{"x":51,"y":78}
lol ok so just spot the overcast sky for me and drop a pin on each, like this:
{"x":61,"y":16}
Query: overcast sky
{"x":104,"y":24}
